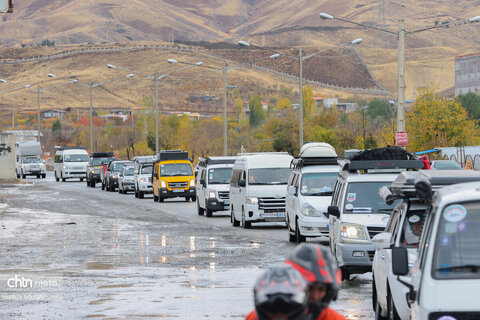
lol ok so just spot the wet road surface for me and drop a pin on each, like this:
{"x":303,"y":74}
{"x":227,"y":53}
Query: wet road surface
{"x":96,"y":254}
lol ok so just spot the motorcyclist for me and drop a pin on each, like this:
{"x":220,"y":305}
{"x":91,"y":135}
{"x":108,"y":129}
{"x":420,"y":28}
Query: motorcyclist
{"x":280,"y":293}
{"x":319,"y":268}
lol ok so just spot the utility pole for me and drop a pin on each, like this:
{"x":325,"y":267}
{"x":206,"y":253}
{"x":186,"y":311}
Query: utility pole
{"x":91,"y":115}
{"x":300,"y":77}
{"x":13,"y":118}
{"x":224,"y":71}
{"x":155,"y":75}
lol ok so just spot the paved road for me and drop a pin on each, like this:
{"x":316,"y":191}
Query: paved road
{"x":113,"y":256}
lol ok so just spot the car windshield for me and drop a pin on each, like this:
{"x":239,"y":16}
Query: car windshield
{"x":75,"y":158}
{"x":31,"y":160}
{"x":219,"y":176}
{"x":176,"y":169}
{"x":456,"y":253}
{"x":318,"y":183}
{"x":100,"y":161}
{"x":362,"y":197}
{"x":128,"y":171}
{"x":412,"y":228}
{"x":266,"y":176}
{"x":118,"y":166}
{"x":147,"y":169}
{"x":446,"y":165}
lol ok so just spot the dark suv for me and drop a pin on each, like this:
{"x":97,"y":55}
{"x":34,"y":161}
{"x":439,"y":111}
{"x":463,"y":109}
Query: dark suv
{"x":95,"y":166}
{"x":112,"y":173}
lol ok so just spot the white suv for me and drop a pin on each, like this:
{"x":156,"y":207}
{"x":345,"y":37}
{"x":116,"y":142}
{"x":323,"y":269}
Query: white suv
{"x":404,"y":229}
{"x":358,"y":213}
{"x":213,"y":184}
{"x":309,"y":191}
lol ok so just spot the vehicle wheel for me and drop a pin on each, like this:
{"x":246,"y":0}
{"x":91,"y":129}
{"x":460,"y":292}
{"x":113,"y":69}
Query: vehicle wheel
{"x":136,"y":195}
{"x":209,"y":213}
{"x":88,"y":183}
{"x":292,"y":237}
{"x":112,"y":188}
{"x":92,"y":184}
{"x":56,"y":178}
{"x":161,"y":199}
{"x":81,"y":179}
{"x":187,"y":199}
{"x":194,"y":198}
{"x":120,"y":190}
{"x":16,"y":173}
{"x":103,"y":186}
{"x":345,"y":274}
{"x":391,"y":310}
{"x":124,"y":191}
{"x":24,"y":176}
{"x":245,"y":224}
{"x":44,"y":175}
{"x":63,"y":179}
{"x":38,"y":176}
{"x":141,"y":195}
{"x":233,"y":220}
{"x":200,"y":211}
{"x":299,"y":237}
{"x":155,"y":198}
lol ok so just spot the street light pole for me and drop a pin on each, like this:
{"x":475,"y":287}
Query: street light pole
{"x":224,"y":71}
{"x":300,"y":77}
{"x":401,"y":77}
{"x":38,"y":113}
{"x":155,"y":75}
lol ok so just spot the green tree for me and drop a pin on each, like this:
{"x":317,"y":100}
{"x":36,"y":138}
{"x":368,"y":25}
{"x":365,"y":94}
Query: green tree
{"x":471,"y":103}
{"x":378,"y":108}
{"x":283,"y":103}
{"x":56,"y":126}
{"x":257,"y":114}
{"x":308,"y":102}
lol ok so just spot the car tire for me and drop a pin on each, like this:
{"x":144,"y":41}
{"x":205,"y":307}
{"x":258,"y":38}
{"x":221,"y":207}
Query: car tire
{"x":120,"y":190}
{"x":291,"y":235}
{"x":299,"y":237}
{"x":81,"y":179}
{"x":24,"y":176}
{"x":44,"y":176}
{"x":194,"y":198}
{"x":155,"y":198}
{"x":245,"y":224}
{"x":92,"y":184}
{"x":112,"y":188}
{"x":161,"y":199}
{"x":136,"y":194}
{"x":208,"y":213}
{"x":38,"y":176}
{"x":233,"y":220}
{"x":187,"y":199}
{"x":56,"y":178}
{"x":141,"y":195}
{"x":391,"y":310}
{"x":18,"y":176}
{"x":345,"y":274}
{"x":200,"y":210}
{"x":63,"y":179}
{"x":103,"y":186}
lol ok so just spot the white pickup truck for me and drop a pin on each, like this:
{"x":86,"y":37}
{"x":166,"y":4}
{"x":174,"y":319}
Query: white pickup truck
{"x":29,"y":160}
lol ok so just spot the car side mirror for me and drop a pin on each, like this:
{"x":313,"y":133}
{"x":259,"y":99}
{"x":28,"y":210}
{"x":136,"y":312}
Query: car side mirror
{"x":400,"y":261}
{"x":292,"y":190}
{"x":382,"y":240}
{"x":333,"y":211}
{"x":242,"y":183}
{"x":202,"y":182}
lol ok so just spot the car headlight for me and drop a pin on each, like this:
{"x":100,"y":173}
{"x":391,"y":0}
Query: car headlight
{"x":252,"y":200}
{"x":309,"y":211}
{"x":163,"y":184}
{"x":211,"y":194}
{"x":192,"y":183}
{"x":64,"y":167}
{"x":114,"y":176}
{"x":143,"y":180}
{"x":353,"y":231}
{"x":93,"y":171}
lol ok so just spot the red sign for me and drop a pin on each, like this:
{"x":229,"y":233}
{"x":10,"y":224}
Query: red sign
{"x":402,"y":139}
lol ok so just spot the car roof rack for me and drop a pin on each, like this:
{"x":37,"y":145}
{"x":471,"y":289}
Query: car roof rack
{"x":203,"y":162}
{"x":164,"y":155}
{"x":144,"y":159}
{"x":261,"y":153}
{"x":299,"y":163}
{"x":61,"y":148}
{"x":404,"y":185}
{"x":382,"y":166}
{"x":102,"y":154}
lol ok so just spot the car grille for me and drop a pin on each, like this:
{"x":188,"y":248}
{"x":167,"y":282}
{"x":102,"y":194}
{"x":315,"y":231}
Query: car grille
{"x":373,"y":231}
{"x":371,"y":254}
{"x":77,"y":172}
{"x":77,"y":168}
{"x":271,"y":204}
{"x":224,"y":195}
{"x":455,"y":315}
{"x":173,"y":185}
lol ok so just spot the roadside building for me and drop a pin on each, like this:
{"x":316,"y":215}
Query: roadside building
{"x":51,"y":114}
{"x":467,"y":73}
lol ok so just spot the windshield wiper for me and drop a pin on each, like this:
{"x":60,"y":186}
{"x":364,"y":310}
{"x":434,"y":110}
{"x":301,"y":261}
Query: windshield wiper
{"x":473,"y":268}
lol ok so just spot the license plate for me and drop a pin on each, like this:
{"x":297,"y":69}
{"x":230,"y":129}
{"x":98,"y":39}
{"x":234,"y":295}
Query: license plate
{"x":272,"y":215}
{"x":178,"y":190}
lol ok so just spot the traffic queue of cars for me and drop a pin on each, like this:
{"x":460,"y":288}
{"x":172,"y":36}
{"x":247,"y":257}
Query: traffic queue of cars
{"x":415,"y":229}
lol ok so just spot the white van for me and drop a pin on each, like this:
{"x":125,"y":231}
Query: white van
{"x":446,"y":277}
{"x":258,"y":186}
{"x":310,"y":189}
{"x":70,"y":162}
